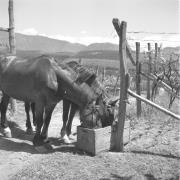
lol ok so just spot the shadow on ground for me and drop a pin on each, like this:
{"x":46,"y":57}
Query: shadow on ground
{"x":156,"y":154}
{"x":60,"y":146}
{"x":22,"y":142}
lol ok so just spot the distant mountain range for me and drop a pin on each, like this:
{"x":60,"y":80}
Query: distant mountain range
{"x":36,"y":45}
{"x":41,"y":43}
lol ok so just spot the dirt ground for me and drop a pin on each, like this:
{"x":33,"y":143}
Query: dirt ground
{"x":152,"y":153}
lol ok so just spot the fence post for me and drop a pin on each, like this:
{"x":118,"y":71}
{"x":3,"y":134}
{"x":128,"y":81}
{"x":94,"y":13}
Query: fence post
{"x":124,"y":84}
{"x":11,"y":28}
{"x":103,"y":74}
{"x":138,"y":87}
{"x":80,"y":60}
{"x":97,"y":71}
{"x":149,"y":71}
{"x":155,"y":58}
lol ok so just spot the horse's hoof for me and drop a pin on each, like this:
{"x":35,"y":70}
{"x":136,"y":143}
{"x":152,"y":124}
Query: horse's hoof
{"x":29,"y":131}
{"x":6,"y":132}
{"x":66,"y":140}
{"x":48,"y":146}
{"x":47,"y":141}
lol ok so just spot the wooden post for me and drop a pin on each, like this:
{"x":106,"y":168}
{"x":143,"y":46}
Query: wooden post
{"x":11,"y":28}
{"x":149,"y":71}
{"x":124,"y":84}
{"x":138,"y":87}
{"x":155,"y":58}
{"x":80,"y":60}
{"x":103,"y":74}
{"x":154,"y":105}
{"x":97,"y":71}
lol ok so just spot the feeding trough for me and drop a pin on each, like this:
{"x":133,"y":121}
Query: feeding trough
{"x":94,"y":141}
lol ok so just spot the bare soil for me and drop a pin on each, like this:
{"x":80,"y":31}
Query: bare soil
{"x":152,"y":153}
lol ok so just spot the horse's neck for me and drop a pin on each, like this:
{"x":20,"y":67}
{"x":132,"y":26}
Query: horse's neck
{"x":80,"y":94}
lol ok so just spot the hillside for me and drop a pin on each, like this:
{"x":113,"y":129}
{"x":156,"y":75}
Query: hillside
{"x":102,"y":47}
{"x":40,"y":43}
{"x":30,"y":46}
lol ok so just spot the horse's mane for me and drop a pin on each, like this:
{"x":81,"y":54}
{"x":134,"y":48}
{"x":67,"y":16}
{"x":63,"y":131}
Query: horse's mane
{"x":80,"y":74}
{"x":83,"y":73}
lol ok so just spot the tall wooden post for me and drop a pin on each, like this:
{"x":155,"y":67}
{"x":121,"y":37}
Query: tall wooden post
{"x":138,"y":79}
{"x":155,"y":58}
{"x":149,"y":71}
{"x":124,"y":84}
{"x":11,"y":28}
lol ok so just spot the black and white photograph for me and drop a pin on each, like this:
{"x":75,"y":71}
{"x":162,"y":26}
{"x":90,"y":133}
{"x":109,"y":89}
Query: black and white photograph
{"x":89,"y":89}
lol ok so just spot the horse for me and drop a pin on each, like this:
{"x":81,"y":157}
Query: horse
{"x":44,"y":82}
{"x":29,"y":106}
{"x":70,"y":108}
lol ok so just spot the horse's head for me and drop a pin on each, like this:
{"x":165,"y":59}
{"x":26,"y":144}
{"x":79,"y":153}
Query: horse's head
{"x":99,"y":113}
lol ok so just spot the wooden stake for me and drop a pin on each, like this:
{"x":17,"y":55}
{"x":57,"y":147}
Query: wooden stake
{"x":138,"y":79}
{"x":11,"y":28}
{"x":104,"y":74}
{"x":155,"y":58}
{"x":124,"y":83}
{"x":149,"y":71}
{"x":153,"y":104}
{"x":97,"y":71}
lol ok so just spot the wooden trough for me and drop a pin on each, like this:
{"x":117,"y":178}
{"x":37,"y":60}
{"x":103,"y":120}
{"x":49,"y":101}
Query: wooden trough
{"x":94,"y":141}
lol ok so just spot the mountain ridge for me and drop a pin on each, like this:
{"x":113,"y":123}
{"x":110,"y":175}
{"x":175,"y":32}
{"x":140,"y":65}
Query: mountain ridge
{"x":42,"y":44}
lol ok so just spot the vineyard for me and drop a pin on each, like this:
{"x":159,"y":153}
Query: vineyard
{"x":151,"y":141}
{"x":147,"y":126}
{"x":151,"y":149}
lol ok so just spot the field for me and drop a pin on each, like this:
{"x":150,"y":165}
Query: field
{"x":151,"y":150}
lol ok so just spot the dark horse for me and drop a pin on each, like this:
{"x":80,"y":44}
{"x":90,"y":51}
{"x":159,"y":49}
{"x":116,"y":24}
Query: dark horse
{"x":70,"y":108}
{"x":44,"y":82}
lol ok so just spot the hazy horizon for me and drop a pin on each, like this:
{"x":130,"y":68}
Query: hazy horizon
{"x":90,"y":21}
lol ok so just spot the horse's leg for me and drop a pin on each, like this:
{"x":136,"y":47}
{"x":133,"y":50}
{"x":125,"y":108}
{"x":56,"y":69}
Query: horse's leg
{"x":39,"y":110}
{"x":48,"y":113}
{"x":66,"y":107}
{"x":72,"y":113}
{"x":28,"y":121}
{"x":33,"y":113}
{"x":4,"y":125}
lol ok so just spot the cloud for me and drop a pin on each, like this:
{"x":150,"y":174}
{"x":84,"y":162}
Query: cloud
{"x":83,"y":32}
{"x":83,"y":39}
{"x":86,"y":39}
{"x":162,"y":39}
{"x":29,"y":31}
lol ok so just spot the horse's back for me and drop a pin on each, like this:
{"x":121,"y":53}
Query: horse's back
{"x":24,"y":78}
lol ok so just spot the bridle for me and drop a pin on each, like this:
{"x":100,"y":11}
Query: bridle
{"x":94,"y":109}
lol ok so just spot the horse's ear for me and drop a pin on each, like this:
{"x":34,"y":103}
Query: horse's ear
{"x":113,"y":101}
{"x":91,"y":79}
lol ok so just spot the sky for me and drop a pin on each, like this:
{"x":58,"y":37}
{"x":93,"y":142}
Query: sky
{"x":90,"y":21}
